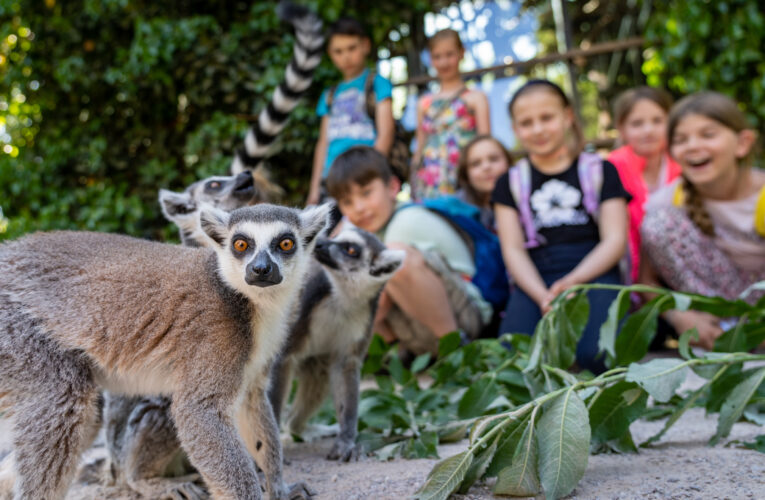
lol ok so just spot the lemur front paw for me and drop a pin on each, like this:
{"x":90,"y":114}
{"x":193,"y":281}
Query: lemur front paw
{"x":296,"y":491}
{"x":343,"y":450}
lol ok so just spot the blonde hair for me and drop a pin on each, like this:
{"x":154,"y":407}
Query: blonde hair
{"x":446,"y":34}
{"x":723,"y":110}
{"x":463,"y":182}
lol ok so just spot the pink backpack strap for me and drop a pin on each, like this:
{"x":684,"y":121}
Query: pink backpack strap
{"x":590,"y":171}
{"x":520,"y":187}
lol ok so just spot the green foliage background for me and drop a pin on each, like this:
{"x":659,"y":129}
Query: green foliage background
{"x":106,"y":101}
{"x":710,"y":45}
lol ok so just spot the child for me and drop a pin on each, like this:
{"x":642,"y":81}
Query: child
{"x":554,"y":231}
{"x":483,"y":160}
{"x":705,"y":232}
{"x":431,"y":295}
{"x":446,"y":121}
{"x":643,"y":163}
{"x":345,"y":121}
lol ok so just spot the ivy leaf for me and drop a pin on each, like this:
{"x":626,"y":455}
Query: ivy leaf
{"x":615,"y":409}
{"x":563,"y":435}
{"x":445,"y":477}
{"x":733,"y":408}
{"x":659,"y":377}
{"x":521,"y":478}
{"x":616,"y":311}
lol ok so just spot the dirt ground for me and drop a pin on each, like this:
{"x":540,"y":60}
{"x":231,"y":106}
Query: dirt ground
{"x":681,"y":466}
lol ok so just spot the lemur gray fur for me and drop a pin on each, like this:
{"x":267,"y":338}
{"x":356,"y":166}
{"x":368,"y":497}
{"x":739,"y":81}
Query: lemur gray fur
{"x":330,"y":336}
{"x":83,"y":312}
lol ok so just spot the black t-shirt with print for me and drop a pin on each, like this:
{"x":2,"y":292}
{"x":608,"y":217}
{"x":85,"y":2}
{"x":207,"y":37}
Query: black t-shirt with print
{"x":557,"y":203}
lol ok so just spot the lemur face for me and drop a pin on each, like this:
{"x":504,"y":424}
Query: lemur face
{"x":224,"y":192}
{"x":358,"y":254}
{"x":263,"y":245}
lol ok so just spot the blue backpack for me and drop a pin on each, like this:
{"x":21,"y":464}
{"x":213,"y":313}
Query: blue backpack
{"x":490,"y":275}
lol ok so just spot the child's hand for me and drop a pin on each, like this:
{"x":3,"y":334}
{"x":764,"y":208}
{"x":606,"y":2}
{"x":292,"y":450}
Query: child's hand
{"x":562,"y":285}
{"x":707,"y":325}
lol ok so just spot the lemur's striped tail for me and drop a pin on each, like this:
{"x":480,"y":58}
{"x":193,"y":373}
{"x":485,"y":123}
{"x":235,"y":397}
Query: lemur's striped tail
{"x":309,"y":40}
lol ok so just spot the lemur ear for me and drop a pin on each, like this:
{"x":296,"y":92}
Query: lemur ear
{"x":176,"y":205}
{"x":314,"y":220}
{"x":214,"y":223}
{"x":386,"y":263}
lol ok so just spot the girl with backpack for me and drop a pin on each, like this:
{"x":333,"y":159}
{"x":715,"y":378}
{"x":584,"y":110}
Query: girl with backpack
{"x":446,"y":121}
{"x":561,"y":217}
{"x":705,"y":232}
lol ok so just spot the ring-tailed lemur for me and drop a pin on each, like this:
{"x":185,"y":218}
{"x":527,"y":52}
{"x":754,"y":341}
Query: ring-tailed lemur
{"x":82,"y":312}
{"x":330,"y":336}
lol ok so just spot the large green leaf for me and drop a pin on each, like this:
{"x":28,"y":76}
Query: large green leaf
{"x":733,"y":408}
{"x":563,"y":435}
{"x":569,"y":324}
{"x":616,"y":311}
{"x":521,"y":478}
{"x":638,"y":332}
{"x":478,"y":467}
{"x":659,"y":377}
{"x":506,"y":446}
{"x":741,"y":338}
{"x":615,"y":409}
{"x":477,"y":398}
{"x":445,"y":477}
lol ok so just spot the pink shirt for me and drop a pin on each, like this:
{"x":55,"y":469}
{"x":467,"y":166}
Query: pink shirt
{"x":630,"y":167}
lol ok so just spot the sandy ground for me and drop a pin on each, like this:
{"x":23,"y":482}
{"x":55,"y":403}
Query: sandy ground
{"x":681,"y":466}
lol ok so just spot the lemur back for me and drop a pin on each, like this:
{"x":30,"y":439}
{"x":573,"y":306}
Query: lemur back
{"x":330,"y":336}
{"x":81,"y":312}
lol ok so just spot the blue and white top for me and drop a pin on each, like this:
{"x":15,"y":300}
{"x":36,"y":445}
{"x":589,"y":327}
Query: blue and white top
{"x":349,"y":123}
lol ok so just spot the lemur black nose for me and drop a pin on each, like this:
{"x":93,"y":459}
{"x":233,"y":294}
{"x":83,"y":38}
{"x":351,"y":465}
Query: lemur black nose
{"x":262,"y":271}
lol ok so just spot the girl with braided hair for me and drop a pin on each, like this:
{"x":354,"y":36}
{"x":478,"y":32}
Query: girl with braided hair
{"x":705,"y":232}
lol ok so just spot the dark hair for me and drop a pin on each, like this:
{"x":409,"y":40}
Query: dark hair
{"x":717,"y":107}
{"x":346,"y":26}
{"x":471,"y":195}
{"x":445,"y":34}
{"x":626,"y":101}
{"x":358,"y":165}
{"x":540,"y":84}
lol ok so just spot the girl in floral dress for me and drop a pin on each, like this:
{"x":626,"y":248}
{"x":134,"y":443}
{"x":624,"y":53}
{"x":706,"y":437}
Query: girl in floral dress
{"x":561,"y":217}
{"x":446,"y":121}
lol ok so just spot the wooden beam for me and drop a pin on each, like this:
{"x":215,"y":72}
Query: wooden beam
{"x":520,"y":66}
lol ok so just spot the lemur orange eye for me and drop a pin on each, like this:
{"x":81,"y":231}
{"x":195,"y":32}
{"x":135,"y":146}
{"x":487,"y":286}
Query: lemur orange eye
{"x":240,"y":245}
{"x":351,"y":251}
{"x":286,"y":244}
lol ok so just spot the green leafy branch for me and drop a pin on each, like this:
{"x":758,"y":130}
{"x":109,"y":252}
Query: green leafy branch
{"x":550,"y":454}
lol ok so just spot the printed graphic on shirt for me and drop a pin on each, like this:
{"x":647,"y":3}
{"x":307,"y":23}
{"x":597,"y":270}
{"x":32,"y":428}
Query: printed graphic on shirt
{"x":348,"y":118}
{"x":557,"y":203}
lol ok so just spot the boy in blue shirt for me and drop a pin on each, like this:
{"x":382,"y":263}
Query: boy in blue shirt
{"x":345,"y":121}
